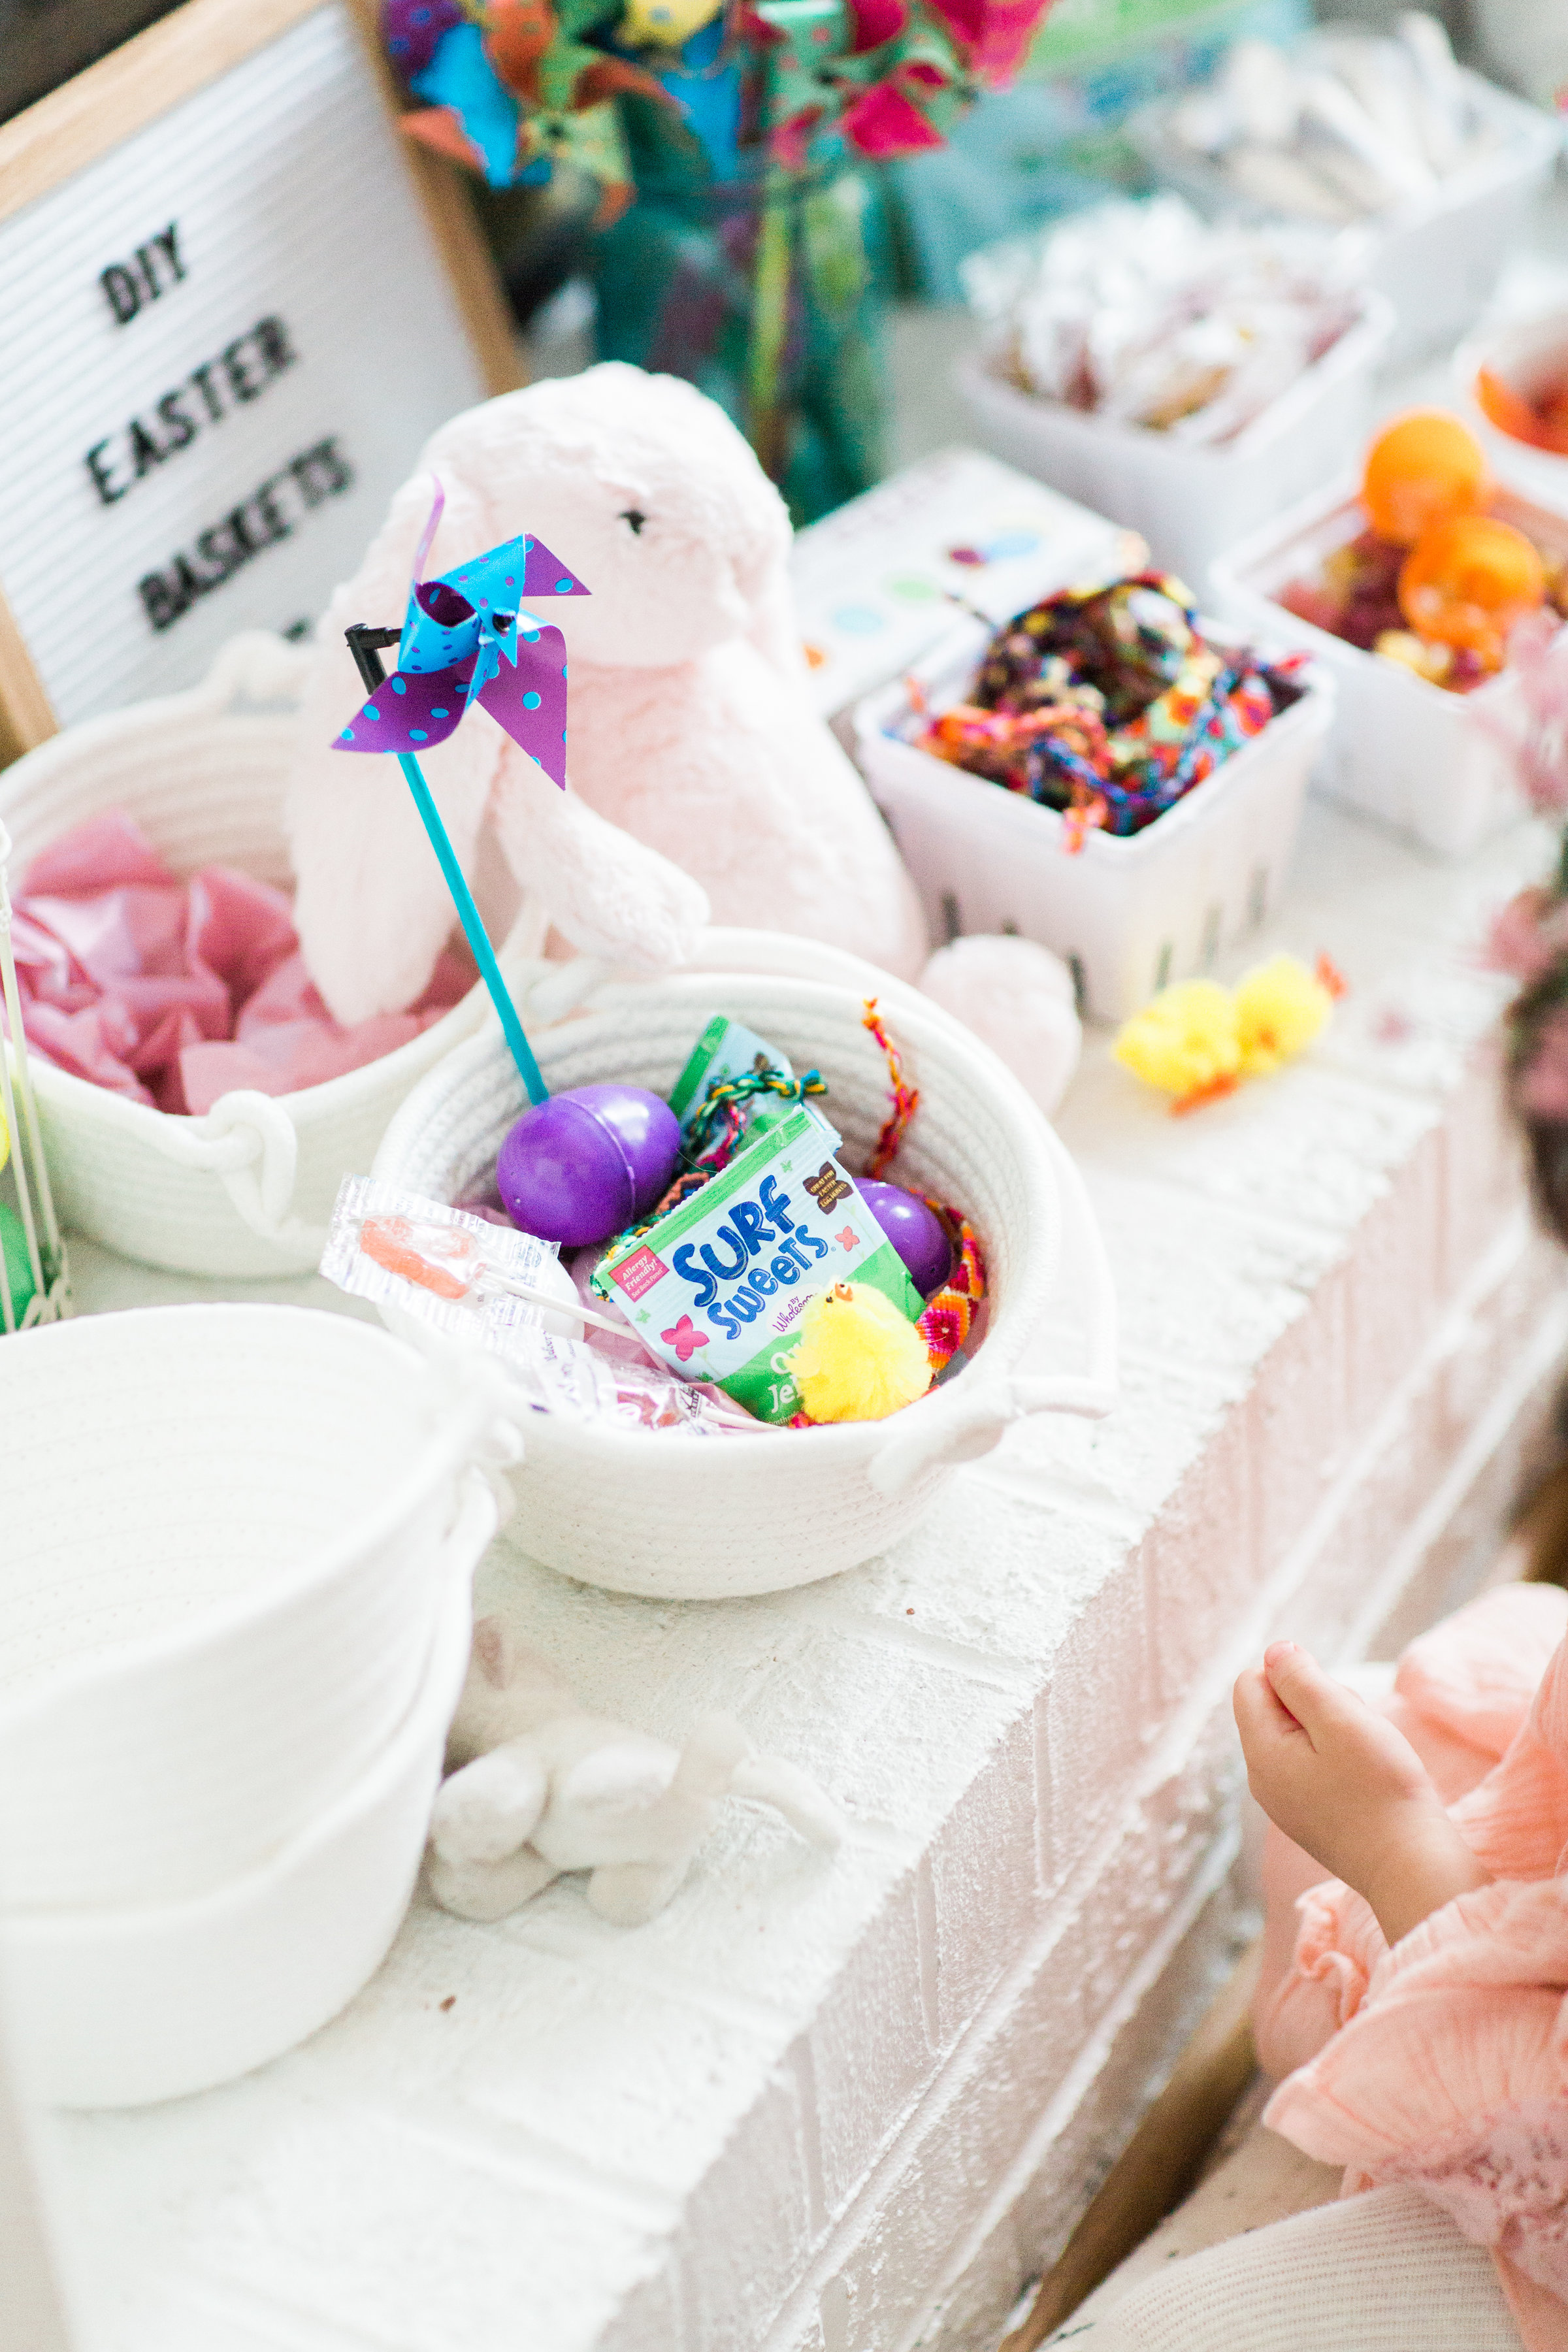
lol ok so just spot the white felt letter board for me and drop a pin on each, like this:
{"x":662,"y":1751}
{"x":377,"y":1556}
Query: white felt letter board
{"x":225,"y":337}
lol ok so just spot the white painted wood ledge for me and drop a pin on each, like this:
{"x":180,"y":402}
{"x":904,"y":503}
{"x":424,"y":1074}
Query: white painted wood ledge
{"x":850,"y":2105}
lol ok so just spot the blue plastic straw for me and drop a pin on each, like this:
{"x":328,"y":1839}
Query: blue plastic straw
{"x":474,"y":929}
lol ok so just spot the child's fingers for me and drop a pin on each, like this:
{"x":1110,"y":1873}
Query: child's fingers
{"x":1259,"y":1716}
{"x":1318,"y":1703}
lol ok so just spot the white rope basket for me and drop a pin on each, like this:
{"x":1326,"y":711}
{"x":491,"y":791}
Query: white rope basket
{"x":226,"y":1533}
{"x":653,"y":1512}
{"x":117,"y":2007}
{"x":247,"y":1190}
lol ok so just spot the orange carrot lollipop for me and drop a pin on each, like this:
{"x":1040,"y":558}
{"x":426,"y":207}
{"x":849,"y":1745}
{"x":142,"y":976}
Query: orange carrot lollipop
{"x":1423,"y":466}
{"x":1466,"y":581}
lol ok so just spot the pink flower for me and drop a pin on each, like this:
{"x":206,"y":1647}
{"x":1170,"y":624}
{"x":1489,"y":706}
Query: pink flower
{"x":1528,"y":936}
{"x":1542,"y":1086}
{"x":1537,"y":653}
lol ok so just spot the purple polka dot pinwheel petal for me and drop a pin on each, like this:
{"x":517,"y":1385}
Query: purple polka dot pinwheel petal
{"x":545,"y":575}
{"x":409,"y":713}
{"x":530,"y":702}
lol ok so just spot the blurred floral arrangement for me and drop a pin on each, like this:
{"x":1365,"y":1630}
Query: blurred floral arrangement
{"x":1530,"y":938}
{"x":768,"y":102}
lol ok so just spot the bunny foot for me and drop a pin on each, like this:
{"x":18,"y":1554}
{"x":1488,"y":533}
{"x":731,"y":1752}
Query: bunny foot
{"x":488,"y":1890}
{"x":630,"y":1893}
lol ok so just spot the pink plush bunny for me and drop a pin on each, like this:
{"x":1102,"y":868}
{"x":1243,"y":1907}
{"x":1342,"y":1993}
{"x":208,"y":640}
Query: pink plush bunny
{"x":699,"y":778}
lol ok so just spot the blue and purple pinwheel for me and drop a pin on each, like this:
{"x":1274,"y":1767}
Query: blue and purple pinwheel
{"x":470,"y":637}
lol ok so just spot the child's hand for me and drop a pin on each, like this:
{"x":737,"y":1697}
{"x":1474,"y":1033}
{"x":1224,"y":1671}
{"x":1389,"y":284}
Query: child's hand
{"x":1343,"y":1783}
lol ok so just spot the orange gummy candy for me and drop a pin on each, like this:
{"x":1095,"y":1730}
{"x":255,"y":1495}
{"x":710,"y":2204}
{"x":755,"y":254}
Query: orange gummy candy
{"x":1423,"y":466}
{"x":392,"y":1242}
{"x":1466,"y":581}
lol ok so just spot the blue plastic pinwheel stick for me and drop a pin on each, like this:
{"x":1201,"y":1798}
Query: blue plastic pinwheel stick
{"x":363,"y":643}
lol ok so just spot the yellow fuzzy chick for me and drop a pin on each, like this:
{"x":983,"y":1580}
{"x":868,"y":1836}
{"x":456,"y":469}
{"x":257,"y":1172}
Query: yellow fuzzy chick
{"x":1184,"y":1041}
{"x":857,"y":1358}
{"x":1280,"y":1008}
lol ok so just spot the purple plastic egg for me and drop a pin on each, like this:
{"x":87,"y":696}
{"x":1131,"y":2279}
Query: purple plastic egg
{"x":915,"y":1232}
{"x":587,"y":1163}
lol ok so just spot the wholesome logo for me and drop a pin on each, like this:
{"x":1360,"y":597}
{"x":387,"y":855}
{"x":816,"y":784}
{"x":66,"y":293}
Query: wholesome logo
{"x":827,"y":1188}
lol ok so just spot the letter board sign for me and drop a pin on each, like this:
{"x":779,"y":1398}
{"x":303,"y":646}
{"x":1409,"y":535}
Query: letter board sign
{"x":230,"y":322}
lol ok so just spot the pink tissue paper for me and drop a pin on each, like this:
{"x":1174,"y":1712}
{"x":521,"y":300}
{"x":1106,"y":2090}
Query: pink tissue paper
{"x":175,"y":993}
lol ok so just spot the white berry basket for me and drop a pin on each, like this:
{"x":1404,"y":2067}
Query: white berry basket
{"x":1188,"y":500}
{"x":1430,"y":765}
{"x":228,"y":1530}
{"x":122,"y":2006}
{"x":1128,"y":915}
{"x":654,"y":1513}
{"x":247,"y":1190}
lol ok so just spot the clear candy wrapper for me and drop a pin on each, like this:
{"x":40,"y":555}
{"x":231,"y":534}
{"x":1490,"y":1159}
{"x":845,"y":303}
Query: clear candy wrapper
{"x":456,"y":1270}
{"x":565,"y":1376}
{"x":463,"y":1276}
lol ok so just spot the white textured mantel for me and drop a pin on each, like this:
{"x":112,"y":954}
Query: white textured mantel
{"x":846,"y":2107}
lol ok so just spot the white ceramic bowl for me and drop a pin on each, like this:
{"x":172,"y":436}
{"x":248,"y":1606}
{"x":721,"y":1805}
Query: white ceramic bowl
{"x":247,"y":1190}
{"x":226,"y":1531}
{"x":643,"y":1511}
{"x":121,"y":2007}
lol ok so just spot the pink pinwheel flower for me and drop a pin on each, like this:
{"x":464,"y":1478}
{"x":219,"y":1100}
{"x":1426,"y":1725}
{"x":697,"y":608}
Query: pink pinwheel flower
{"x":995,"y":35}
{"x":883,"y":123}
{"x":876,"y":21}
{"x":790,"y":141}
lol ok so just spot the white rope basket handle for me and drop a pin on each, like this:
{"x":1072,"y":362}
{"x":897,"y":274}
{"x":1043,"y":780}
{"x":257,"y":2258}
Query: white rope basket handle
{"x":248,"y":1142}
{"x":480,"y":1513}
{"x":972,"y":1419}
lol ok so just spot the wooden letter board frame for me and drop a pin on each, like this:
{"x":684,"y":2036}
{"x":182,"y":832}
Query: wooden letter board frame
{"x":156,"y":70}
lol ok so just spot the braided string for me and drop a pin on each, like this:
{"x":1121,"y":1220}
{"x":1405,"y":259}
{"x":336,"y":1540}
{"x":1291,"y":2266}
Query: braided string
{"x":950,"y":1311}
{"x":724,"y":1107}
{"x":906,"y":1098}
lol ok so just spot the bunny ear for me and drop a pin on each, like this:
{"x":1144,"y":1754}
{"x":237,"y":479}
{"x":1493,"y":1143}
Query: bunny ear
{"x":370,"y":908}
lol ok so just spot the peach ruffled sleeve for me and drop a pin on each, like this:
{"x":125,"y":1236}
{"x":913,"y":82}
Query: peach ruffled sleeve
{"x":1451,"y":2075}
{"x":1468,"y":1697}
